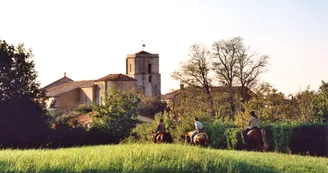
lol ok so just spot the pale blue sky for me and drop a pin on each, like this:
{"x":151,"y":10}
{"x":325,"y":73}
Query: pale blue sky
{"x":90,"y":39}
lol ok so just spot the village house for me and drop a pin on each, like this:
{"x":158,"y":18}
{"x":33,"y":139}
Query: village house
{"x":142,"y":73}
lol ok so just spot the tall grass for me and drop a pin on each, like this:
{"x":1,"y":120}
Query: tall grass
{"x":154,"y":158}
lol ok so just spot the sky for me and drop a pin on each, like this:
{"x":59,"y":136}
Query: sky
{"x":91,"y":39}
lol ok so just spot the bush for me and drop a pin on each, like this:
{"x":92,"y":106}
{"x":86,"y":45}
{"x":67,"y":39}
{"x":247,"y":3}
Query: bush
{"x":216,"y":132}
{"x":82,"y":108}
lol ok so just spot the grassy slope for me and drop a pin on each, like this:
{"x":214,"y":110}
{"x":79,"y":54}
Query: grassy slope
{"x":154,"y":158}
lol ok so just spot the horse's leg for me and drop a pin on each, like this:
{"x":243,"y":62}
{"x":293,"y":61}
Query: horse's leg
{"x":264,"y":139}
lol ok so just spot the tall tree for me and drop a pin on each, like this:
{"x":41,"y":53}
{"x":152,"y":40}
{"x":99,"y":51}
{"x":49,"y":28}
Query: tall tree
{"x":17,"y":74}
{"x":22,"y":115}
{"x":195,"y":72}
{"x":225,"y":55}
{"x":249,"y":66}
{"x":235,"y":64}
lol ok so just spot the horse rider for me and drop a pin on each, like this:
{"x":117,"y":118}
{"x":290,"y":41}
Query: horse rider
{"x":198,"y":129}
{"x":253,"y":122}
{"x":160,"y":129}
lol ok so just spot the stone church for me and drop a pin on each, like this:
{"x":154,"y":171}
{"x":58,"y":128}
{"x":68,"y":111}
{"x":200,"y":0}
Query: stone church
{"x":142,"y":73}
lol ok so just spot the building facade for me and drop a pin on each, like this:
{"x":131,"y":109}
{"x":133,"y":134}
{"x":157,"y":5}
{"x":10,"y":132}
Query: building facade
{"x":142,"y":73}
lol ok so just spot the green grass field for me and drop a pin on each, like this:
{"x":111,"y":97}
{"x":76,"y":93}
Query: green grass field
{"x":155,"y":158}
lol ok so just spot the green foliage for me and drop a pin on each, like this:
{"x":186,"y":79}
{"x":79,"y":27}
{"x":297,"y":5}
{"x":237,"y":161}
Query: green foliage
{"x":280,"y":136}
{"x":192,"y":102}
{"x":177,"y":128}
{"x":82,"y":108}
{"x":21,"y":102}
{"x":303,"y":100}
{"x":139,"y":158}
{"x":320,"y":103}
{"x":234,"y":138}
{"x":216,"y":131}
{"x":17,"y":74}
{"x":118,"y":113}
{"x":273,"y":106}
{"x":149,"y":106}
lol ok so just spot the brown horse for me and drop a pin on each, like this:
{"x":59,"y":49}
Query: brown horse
{"x":200,"y":139}
{"x":256,"y":139}
{"x":163,"y":137}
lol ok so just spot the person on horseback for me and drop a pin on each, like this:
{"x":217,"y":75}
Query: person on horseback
{"x":253,"y":122}
{"x":198,"y":128}
{"x":160,"y":129}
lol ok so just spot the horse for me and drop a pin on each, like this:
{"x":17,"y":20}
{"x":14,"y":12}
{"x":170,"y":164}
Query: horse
{"x":200,"y":139}
{"x":256,"y":139}
{"x":165,"y":137}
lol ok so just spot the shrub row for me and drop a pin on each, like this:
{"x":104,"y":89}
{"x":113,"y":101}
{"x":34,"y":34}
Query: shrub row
{"x":303,"y":138}
{"x":285,"y":138}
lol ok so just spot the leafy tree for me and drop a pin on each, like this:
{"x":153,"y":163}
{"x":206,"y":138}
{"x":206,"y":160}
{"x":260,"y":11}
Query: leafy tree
{"x":22,"y":116}
{"x":149,"y":106}
{"x":118,"y":113}
{"x":269,"y":104}
{"x":195,"y":72}
{"x":303,"y":101}
{"x":320,"y":103}
{"x":17,"y":74}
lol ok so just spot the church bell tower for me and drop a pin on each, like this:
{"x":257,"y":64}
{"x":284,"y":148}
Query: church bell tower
{"x":144,"y":67}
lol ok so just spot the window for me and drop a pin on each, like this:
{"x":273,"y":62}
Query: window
{"x":149,"y":68}
{"x":149,"y":79}
{"x":85,"y":100}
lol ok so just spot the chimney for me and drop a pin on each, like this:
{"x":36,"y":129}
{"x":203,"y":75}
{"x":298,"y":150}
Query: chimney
{"x":181,"y":86}
{"x":64,"y":74}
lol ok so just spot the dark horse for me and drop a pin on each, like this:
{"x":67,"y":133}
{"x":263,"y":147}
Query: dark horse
{"x":200,"y":139}
{"x":256,"y":139}
{"x":163,"y":137}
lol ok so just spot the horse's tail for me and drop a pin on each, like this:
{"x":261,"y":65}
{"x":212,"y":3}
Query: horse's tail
{"x":169,"y":137}
{"x":265,"y":140}
{"x":206,"y":140}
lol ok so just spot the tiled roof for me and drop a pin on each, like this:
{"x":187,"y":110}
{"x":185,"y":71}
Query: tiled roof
{"x":68,"y":86}
{"x":83,"y":119}
{"x":57,"y":82}
{"x":116,"y":77}
{"x":143,"y":52}
{"x":171,"y":94}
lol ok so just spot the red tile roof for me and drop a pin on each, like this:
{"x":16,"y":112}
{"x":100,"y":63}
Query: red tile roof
{"x":68,"y":86}
{"x":83,"y":119}
{"x":116,"y":77}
